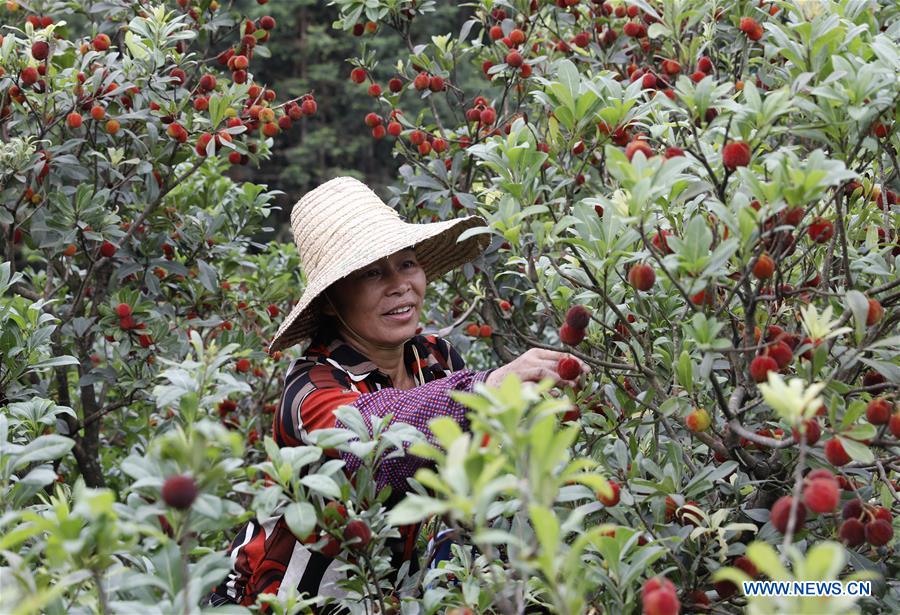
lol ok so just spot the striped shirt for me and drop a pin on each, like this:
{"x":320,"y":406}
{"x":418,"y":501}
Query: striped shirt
{"x":265,"y":555}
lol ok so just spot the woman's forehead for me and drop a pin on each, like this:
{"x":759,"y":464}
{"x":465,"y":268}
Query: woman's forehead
{"x":399,"y":253}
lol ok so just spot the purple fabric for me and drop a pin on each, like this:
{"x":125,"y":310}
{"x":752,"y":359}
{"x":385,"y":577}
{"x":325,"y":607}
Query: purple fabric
{"x":417,"y":407}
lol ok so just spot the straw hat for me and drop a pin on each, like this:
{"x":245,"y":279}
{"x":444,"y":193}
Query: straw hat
{"x":342,"y":226}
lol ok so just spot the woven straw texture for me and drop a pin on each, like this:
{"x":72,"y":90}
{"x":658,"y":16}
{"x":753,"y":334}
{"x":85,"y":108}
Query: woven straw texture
{"x":342,"y":226}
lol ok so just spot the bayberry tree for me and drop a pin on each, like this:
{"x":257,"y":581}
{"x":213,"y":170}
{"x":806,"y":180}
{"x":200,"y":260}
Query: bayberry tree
{"x":697,"y":200}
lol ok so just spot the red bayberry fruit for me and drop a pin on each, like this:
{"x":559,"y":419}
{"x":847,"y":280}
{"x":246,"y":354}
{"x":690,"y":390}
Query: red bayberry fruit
{"x":29,"y":76}
{"x":74,"y":120}
{"x":641,"y":276}
{"x":514,"y":59}
{"x":179,"y":491}
{"x":781,"y":511}
{"x":582,"y":39}
{"x":764,"y":267}
{"x":578,"y":317}
{"x":614,"y":499}
{"x":736,"y":154}
{"x":751,"y":28}
{"x":40,"y":50}
{"x":568,"y":368}
{"x":698,"y":420}
{"x":123,"y":310}
{"x":659,"y":598}
{"x":571,"y":335}
{"x":243,"y":365}
{"x":358,"y":532}
{"x":852,"y":532}
{"x":822,"y":495}
{"x":634,"y":29}
{"x":107,"y":249}
{"x":743,"y":562}
{"x":673,"y":151}
{"x":878,"y":411}
{"x":894,"y":424}
{"x":395,"y":85}
{"x":177,"y":132}
{"x":852,"y":509}
{"x":267,"y":22}
{"x":884,"y":513}
{"x":813,"y":432}
{"x":421,"y":81}
{"x":782,"y":354}
{"x":358,"y":75}
{"x":488,"y":116}
{"x":879,"y":532}
{"x":334,"y":513}
{"x":208,"y":82}
{"x":671,"y":67}
{"x":639,"y":145}
{"x":660,"y":241}
{"x":820,"y":230}
{"x":332,"y":548}
{"x":101,"y":42}
{"x":761,"y":366}
{"x":835,"y":453}
{"x":485,"y":330}
{"x":705,"y":65}
{"x":309,"y":106}
{"x":875,"y":312}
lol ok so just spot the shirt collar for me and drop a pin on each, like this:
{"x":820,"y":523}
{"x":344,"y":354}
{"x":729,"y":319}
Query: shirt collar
{"x":359,"y":367}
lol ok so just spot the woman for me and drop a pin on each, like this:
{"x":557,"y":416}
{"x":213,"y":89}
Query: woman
{"x":366,"y":276}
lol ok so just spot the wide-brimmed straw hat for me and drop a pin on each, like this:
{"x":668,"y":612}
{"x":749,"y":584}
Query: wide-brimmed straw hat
{"x":342,"y":226}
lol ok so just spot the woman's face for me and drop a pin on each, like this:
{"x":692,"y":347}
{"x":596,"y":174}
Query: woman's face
{"x":365,"y":296}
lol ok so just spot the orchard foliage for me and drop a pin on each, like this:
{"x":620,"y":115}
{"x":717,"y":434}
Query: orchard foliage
{"x":697,"y":199}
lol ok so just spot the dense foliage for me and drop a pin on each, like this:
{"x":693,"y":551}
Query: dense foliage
{"x":697,"y":199}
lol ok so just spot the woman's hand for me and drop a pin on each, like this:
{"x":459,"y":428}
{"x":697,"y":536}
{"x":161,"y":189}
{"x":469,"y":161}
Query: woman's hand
{"x":533,"y":366}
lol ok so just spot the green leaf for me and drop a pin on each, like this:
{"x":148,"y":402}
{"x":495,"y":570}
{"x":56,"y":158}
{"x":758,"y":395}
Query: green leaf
{"x":857,"y":450}
{"x":415,"y":508}
{"x":54,"y":362}
{"x":765,"y":558}
{"x":300,"y":518}
{"x":322,"y":484}
{"x":546,"y":528}
{"x":446,"y":430}
{"x":859,"y":305}
{"x":823,"y":562}
{"x":43,"y":448}
{"x":685,"y":371}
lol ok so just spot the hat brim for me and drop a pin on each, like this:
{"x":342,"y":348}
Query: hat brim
{"x":438,"y":251}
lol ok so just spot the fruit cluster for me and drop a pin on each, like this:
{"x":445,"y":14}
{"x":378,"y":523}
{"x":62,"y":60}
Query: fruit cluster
{"x":573,"y":330}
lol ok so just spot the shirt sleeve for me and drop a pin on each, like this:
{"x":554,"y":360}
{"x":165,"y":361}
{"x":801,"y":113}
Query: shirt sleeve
{"x":417,"y":407}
